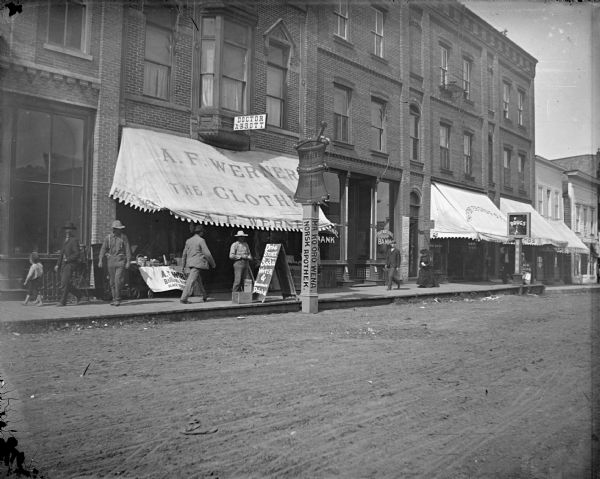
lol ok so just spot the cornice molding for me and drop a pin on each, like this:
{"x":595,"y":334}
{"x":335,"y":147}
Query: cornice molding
{"x":358,"y":165}
{"x":57,"y":74}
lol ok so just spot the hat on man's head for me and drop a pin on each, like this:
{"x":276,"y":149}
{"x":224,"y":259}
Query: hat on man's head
{"x":240,"y":233}
{"x":423,"y":251}
{"x":198,"y":228}
{"x":69,"y":225}
{"x":118,"y":225}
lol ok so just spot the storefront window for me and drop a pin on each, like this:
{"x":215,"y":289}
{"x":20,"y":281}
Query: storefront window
{"x":48,"y":179}
{"x":329,"y":241}
{"x":385,"y":218}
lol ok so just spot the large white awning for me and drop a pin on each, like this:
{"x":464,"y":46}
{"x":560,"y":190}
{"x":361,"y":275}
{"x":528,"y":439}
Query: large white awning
{"x":196,"y":182}
{"x":574,"y":244}
{"x":459,"y":213}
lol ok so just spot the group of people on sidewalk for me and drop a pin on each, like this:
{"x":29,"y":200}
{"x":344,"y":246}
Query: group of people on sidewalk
{"x":426,"y":277}
{"x":115,"y":254}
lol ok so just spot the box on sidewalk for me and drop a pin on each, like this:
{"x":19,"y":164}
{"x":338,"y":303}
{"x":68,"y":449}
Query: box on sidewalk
{"x":241,"y":297}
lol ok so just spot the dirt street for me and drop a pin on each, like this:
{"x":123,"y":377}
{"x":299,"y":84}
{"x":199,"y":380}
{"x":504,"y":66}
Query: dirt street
{"x":494,"y":388}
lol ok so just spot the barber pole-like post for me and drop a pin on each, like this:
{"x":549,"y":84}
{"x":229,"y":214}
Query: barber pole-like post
{"x":310,"y":193}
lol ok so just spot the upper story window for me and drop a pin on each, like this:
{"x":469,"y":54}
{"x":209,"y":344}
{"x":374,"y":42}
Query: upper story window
{"x":505,"y":99}
{"x":506,"y":164}
{"x":540,"y":200}
{"x":467,"y":67}
{"x":592,"y":221}
{"x":443,"y":65}
{"x":67,"y":24}
{"x":207,"y":61}
{"x":276,"y":83}
{"x":158,"y":56}
{"x":578,"y":218}
{"x":520,"y":107}
{"x":234,"y":66}
{"x":415,"y":119}
{"x":444,"y":147}
{"x":224,"y":63}
{"x":378,"y":33}
{"x":548,"y":203}
{"x":378,"y":125}
{"x":468,"y":158}
{"x":585,"y":221}
{"x":521,"y":170}
{"x":490,"y":83}
{"x":556,"y":205}
{"x":341,"y":14}
{"x":490,"y":158}
{"x":341,"y":113}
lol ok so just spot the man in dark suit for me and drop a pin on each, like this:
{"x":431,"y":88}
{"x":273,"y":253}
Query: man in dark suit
{"x":68,"y":261}
{"x":392,"y":264}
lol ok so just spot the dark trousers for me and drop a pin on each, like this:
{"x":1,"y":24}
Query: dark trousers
{"x":116,"y":276}
{"x":240,"y":270}
{"x":391,"y":277}
{"x":66,"y":282}
{"x":34,"y":287}
{"x":196,"y":276}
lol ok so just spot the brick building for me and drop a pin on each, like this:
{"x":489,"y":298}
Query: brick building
{"x":417,"y":98}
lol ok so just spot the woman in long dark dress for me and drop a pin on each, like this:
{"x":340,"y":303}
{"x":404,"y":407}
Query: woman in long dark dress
{"x":426,"y":278}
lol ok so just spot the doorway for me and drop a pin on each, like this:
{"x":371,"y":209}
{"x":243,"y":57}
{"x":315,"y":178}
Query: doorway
{"x":413,"y":235}
{"x":359,"y":225}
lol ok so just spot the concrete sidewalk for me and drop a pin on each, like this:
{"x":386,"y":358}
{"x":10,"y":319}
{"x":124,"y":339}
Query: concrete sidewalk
{"x":166,"y":307}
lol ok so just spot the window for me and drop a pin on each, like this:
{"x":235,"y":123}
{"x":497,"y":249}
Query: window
{"x":521,"y":169}
{"x":468,"y":159}
{"x":548,"y":203}
{"x":578,"y":218}
{"x":592,"y":221}
{"x":491,"y":159}
{"x":48,"y":180}
{"x":341,"y":114}
{"x":585,"y":221}
{"x":378,"y":33}
{"x":234,"y":66}
{"x":505,"y":99}
{"x":540,"y":200}
{"x":556,"y":205}
{"x":341,"y":14}
{"x":520,"y":107}
{"x":415,"y":118}
{"x":445,"y":147}
{"x":384,"y":213}
{"x":158,"y":54}
{"x":276,"y":84}
{"x":329,"y":241}
{"x":207,"y":61}
{"x":490,"y":83}
{"x":467,"y":66}
{"x":66,"y":24}
{"x":506,"y":163}
{"x":378,"y":137}
{"x":443,"y":66}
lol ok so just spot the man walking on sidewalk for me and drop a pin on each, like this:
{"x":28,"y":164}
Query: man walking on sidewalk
{"x":68,"y":261}
{"x":198,"y":259}
{"x":116,"y":248}
{"x":392,"y":265}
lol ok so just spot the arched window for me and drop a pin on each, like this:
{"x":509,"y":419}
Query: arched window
{"x":415,"y":204}
{"x":415,"y":119}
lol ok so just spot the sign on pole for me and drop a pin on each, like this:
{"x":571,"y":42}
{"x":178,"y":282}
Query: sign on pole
{"x":250,"y":122}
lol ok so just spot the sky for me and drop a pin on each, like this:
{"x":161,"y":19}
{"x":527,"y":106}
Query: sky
{"x":559,"y":36}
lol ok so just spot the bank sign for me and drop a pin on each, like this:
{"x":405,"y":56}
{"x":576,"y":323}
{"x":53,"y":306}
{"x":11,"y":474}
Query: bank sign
{"x":519,"y":225}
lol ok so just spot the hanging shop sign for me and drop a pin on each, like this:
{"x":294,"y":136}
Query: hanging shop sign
{"x":249,"y":122}
{"x":519,"y":224}
{"x":384,"y":237}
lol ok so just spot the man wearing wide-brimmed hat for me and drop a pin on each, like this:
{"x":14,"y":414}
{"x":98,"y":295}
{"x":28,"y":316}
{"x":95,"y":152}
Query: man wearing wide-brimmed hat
{"x":68,"y":261}
{"x":116,"y":248}
{"x":240,"y":254}
{"x":198,"y":259}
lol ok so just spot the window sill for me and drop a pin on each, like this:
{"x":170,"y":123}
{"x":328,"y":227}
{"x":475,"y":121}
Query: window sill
{"x":416,"y":164}
{"x":342,"y":41}
{"x":379,"y":59}
{"x":68,"y":51}
{"x":444,"y":171}
{"x":469,"y":178}
{"x":281,"y":131}
{"x":522,"y":192}
{"x":156,"y":102}
{"x":508,"y":188}
{"x":342,"y":144}
{"x":380,"y":154}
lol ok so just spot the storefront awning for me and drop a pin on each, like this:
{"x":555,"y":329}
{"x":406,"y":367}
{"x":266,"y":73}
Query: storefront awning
{"x":200,"y":183}
{"x":459,"y":213}
{"x":542,"y":231}
{"x":574,"y":244}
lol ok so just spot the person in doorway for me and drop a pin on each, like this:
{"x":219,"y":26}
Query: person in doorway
{"x":68,"y":263}
{"x":392,"y":265}
{"x":33,"y":281}
{"x":118,"y":254}
{"x":196,"y":261}
{"x":240,"y":254}
{"x":426,"y":278}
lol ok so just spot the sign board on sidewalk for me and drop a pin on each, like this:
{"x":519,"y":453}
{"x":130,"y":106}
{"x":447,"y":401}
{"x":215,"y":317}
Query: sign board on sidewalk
{"x":274,"y":262}
{"x":250,"y":122}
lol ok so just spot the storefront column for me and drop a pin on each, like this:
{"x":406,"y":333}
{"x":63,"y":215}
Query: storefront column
{"x":344,"y":230}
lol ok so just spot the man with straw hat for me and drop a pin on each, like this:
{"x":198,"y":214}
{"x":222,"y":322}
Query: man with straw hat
{"x":240,"y":254}
{"x":116,"y":248}
{"x":68,"y":261}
